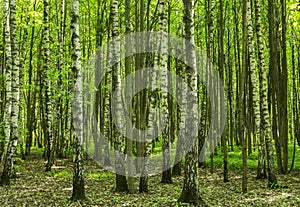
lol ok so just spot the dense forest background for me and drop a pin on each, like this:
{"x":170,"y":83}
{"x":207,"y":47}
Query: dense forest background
{"x":52,"y":112}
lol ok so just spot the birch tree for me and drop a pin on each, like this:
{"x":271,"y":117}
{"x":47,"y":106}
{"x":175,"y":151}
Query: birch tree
{"x":242,"y":99}
{"x":121,"y":182}
{"x":47,"y":84}
{"x":78,"y":176}
{"x":161,"y":63}
{"x":190,"y":191}
{"x":266,"y":117}
{"x":255,"y":91}
{"x":8,"y":65}
{"x":15,"y":95}
{"x":261,"y":174}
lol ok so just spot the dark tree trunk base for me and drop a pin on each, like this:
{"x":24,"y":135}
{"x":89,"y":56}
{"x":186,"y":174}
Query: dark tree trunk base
{"x":48,"y":168}
{"x":78,"y":191}
{"x":261,"y":175}
{"x":121,"y":183}
{"x":192,"y":198}
{"x":5,"y":180}
{"x":143,"y":185}
{"x":166,"y":181}
{"x":226,"y":180}
{"x":167,"y":177}
{"x":77,"y":197}
{"x":272,"y":181}
{"x":272,"y":178}
{"x":177,"y":169}
{"x":202,"y":165}
{"x":225,"y":173}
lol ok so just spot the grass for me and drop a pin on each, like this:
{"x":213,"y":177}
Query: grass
{"x":35,"y":187}
{"x":100,"y":174}
{"x":235,"y":158}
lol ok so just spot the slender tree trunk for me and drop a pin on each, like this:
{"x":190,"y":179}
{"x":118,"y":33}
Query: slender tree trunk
{"x":255,"y":89}
{"x":64,"y":137}
{"x":121,"y":182}
{"x":15,"y":95}
{"x":274,"y":77}
{"x":161,"y":63}
{"x":294,"y":105}
{"x":238,"y":71}
{"x":8,"y":74}
{"x":180,"y":122}
{"x":30,"y":104}
{"x":242,"y":99}
{"x":210,"y":52}
{"x":47,"y":84}
{"x":78,"y":176}
{"x":261,"y":172}
{"x":284,"y":91}
{"x":107,"y":131}
{"x":190,"y":191}
{"x":128,"y":69}
{"x":266,"y":125}
{"x":221,"y":68}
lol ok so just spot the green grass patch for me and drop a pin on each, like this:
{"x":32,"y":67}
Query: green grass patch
{"x":62,"y":174}
{"x":38,"y":151}
{"x":20,"y":168}
{"x":102,"y":174}
{"x":18,"y":160}
{"x":235,"y":158}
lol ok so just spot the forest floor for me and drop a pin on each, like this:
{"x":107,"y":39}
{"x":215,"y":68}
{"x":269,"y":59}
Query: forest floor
{"x":34,"y":187}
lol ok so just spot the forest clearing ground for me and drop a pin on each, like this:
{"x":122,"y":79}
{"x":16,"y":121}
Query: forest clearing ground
{"x":35,"y":187}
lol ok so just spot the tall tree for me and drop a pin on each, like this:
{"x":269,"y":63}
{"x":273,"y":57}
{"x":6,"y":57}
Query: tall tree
{"x":128,"y":69}
{"x":15,"y":95}
{"x":261,"y":174}
{"x":144,"y":149}
{"x":8,"y":74}
{"x":47,"y":84}
{"x":221,"y":71}
{"x":274,"y":78}
{"x":284,"y":91}
{"x":242,"y":99}
{"x":255,"y":89}
{"x":266,"y":125}
{"x":210,"y":51}
{"x":78,"y":176}
{"x":161,"y":63}
{"x":31,"y":94}
{"x":121,"y":182}
{"x":190,"y":191}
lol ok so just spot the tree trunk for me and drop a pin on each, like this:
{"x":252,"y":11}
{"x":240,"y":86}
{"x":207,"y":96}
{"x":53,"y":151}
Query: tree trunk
{"x":261,"y":172}
{"x":15,"y":95}
{"x":161,"y":63}
{"x":47,"y":84}
{"x":78,"y":176}
{"x":255,"y":90}
{"x":284,"y":92}
{"x":121,"y":182}
{"x":190,"y":191}
{"x":242,"y":99}
{"x":221,"y":72}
